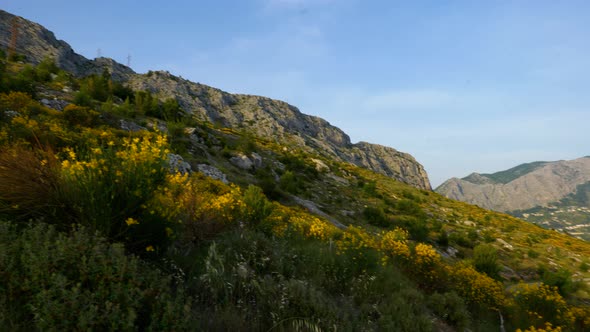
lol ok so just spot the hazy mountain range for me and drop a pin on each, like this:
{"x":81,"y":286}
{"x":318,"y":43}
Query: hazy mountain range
{"x":553,"y":194}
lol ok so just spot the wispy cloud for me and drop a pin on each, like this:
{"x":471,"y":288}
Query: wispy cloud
{"x":400,"y":100}
{"x":287,"y":42}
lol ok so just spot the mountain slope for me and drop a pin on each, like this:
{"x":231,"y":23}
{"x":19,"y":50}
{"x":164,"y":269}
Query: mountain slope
{"x":541,"y":184}
{"x":261,"y":116}
{"x":551,"y":194}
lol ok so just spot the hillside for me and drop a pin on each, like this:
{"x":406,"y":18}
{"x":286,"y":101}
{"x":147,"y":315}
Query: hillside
{"x":148,"y":202}
{"x":551,"y":194}
{"x":261,"y":116}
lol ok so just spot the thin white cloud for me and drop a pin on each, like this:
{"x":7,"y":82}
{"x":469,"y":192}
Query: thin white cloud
{"x":400,"y":100}
{"x":292,"y":41}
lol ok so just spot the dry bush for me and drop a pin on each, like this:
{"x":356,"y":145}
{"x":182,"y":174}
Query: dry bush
{"x":28,"y":182}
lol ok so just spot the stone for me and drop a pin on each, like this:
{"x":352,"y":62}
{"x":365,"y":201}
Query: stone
{"x":242,"y":161}
{"x":212,"y":172}
{"x":56,"y":104}
{"x":177,"y":164}
{"x":130,"y":126}
{"x":11,"y":114}
{"x":320,"y":166}
{"x":256,"y":159}
{"x":159,"y":125}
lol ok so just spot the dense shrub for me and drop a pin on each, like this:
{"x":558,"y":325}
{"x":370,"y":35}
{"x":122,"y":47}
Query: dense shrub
{"x":28,"y":183}
{"x":450,"y":307}
{"x":536,"y":305}
{"x":52,"y":281}
{"x":485,"y":259}
{"x":80,"y":116}
{"x":251,"y":281}
{"x":375,"y":216}
{"x":256,"y":207}
{"x":290,"y":183}
{"x":562,"y":279}
{"x":409,"y":207}
{"x":109,"y":189}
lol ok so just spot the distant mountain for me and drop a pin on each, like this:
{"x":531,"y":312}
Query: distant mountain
{"x":262,"y":116}
{"x":553,"y":194}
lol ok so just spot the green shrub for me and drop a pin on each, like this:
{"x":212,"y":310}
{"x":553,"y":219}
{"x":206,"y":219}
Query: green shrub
{"x":52,"y":281}
{"x":256,"y":206}
{"x":83,"y":98}
{"x":532,"y":254}
{"x":461,"y":239}
{"x":266,"y":181}
{"x":451,"y":308}
{"x":80,"y":116}
{"x":443,"y":239}
{"x":418,"y":228}
{"x":409,"y":207}
{"x":375,"y":216}
{"x":290,"y":183}
{"x":562,"y":279}
{"x":485,"y":259}
{"x":370,"y":188}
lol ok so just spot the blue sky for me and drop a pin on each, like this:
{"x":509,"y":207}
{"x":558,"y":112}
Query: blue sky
{"x":463,"y":86}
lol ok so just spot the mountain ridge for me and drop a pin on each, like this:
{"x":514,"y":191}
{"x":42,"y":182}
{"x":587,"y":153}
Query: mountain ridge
{"x":263,"y":116}
{"x":547,"y":182}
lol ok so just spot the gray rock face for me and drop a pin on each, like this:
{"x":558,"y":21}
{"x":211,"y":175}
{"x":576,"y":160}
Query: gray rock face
{"x":272,"y":119}
{"x":545,"y":184}
{"x":37,"y":43}
{"x":212,"y":172}
{"x":281,"y":122}
{"x":382,"y":159}
{"x":178,"y":165}
{"x":242,"y":161}
{"x":130,"y":126}
{"x":56,"y":104}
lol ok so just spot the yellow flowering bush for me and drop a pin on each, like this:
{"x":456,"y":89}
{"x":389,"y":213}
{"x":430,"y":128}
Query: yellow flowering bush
{"x":394,"y":244}
{"x":548,"y":328}
{"x":277,"y":222}
{"x":425,"y":265}
{"x":204,"y":206}
{"x":108,"y":185}
{"x":539,"y":304}
{"x":581,"y":317}
{"x":355,"y":239}
{"x":476,"y":287}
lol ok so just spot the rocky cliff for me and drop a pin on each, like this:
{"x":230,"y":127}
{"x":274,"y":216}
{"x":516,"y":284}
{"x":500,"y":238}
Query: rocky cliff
{"x":521,"y":188}
{"x":37,"y":43}
{"x":280,"y":121}
{"x":264,"y":117}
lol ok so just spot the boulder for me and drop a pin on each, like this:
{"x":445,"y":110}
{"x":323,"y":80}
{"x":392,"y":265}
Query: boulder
{"x":177,"y":164}
{"x":242,"y":161}
{"x":212,"y":172}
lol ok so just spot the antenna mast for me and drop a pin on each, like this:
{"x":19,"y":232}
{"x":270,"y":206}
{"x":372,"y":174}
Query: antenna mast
{"x":129,"y":60}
